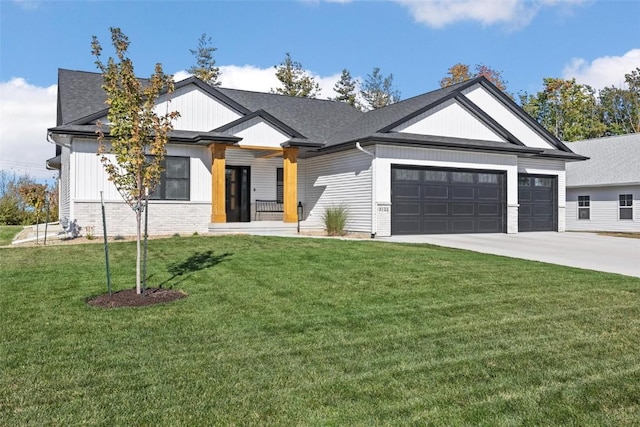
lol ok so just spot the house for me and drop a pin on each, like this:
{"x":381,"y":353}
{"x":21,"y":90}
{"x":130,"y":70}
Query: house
{"x":461,"y":159}
{"x":603,"y":193}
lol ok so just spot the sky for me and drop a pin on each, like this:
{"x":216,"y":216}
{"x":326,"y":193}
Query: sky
{"x":595,"y":42}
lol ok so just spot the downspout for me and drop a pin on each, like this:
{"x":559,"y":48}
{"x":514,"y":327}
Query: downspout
{"x":374,"y":219}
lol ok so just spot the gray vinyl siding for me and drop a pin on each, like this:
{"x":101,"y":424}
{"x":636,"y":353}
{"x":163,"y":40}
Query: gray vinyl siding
{"x":604,"y":209}
{"x":338,"y":179}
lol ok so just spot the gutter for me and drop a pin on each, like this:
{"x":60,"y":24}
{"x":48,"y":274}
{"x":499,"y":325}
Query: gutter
{"x":374,"y":218}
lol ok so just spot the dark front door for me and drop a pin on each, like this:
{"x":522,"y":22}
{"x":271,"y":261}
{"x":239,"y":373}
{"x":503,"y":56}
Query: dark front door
{"x":437,"y":200}
{"x":538,"y":200}
{"x":238,"y":193}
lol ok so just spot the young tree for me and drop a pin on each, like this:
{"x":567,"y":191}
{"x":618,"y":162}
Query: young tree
{"x":35,"y":196}
{"x":295,"y":80}
{"x":346,"y":89}
{"x":136,"y":134}
{"x":461,"y":72}
{"x":205,"y":68}
{"x":378,"y":90}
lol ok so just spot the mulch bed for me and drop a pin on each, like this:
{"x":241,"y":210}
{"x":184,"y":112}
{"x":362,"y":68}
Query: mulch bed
{"x":129,"y":298}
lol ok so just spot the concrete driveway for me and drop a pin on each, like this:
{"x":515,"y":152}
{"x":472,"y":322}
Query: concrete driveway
{"x":583,"y":250}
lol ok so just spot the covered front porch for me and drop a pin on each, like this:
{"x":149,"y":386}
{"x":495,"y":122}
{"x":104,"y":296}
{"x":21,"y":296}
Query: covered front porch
{"x":253,"y":184}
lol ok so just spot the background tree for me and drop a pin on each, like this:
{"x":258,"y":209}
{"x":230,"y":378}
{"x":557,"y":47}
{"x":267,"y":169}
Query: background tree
{"x":461,"y":72}
{"x":346,"y":89}
{"x":566,"y":109}
{"x":295,"y":80}
{"x":205,"y":68}
{"x":13,"y":209}
{"x":378,"y":90}
{"x":137,"y":135}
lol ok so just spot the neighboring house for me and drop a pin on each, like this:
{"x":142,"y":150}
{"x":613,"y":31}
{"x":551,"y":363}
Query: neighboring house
{"x":603,"y":193}
{"x":461,"y":159}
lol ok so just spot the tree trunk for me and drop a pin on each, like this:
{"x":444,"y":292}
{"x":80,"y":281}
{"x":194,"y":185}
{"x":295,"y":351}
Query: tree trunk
{"x":138,"y":258}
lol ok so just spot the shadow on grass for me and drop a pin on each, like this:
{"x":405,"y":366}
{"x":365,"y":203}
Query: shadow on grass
{"x":196,"y":262}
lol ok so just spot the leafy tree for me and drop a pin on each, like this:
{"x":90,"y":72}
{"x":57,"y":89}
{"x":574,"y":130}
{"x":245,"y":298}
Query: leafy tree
{"x":378,"y":90}
{"x":461,"y":72}
{"x":566,"y":109}
{"x":137,"y":135}
{"x":205,"y":68}
{"x":295,"y":80}
{"x":35,"y":196}
{"x":346,"y":89}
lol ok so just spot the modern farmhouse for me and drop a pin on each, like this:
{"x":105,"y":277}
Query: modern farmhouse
{"x":461,"y":159}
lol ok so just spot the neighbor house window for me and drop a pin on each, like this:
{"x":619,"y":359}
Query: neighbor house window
{"x":280,"y":184}
{"x":174,"y":180}
{"x":626,"y":206}
{"x":584,"y":207}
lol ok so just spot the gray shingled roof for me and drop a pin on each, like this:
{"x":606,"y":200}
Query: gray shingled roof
{"x":316,"y":119}
{"x":613,"y":160}
{"x":375,"y":120}
{"x":312,"y":122}
{"x":79,"y":95}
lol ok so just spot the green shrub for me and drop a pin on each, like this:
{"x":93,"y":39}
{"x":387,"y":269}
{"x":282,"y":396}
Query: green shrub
{"x":335,"y":219}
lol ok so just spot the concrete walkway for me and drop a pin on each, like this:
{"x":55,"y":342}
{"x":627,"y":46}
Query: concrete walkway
{"x":583,"y":250}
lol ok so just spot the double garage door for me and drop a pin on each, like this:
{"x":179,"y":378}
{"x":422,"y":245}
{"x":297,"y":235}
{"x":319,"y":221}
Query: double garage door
{"x":447,"y":201}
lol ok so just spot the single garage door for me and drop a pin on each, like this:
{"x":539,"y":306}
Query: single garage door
{"x":538,"y":200}
{"x":440,"y":201}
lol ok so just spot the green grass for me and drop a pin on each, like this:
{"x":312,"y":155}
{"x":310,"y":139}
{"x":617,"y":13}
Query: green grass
{"x":282,"y":331}
{"x":8,"y":232}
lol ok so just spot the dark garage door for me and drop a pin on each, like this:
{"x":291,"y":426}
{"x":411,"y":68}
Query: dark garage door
{"x":538,"y":200}
{"x":439,"y":201}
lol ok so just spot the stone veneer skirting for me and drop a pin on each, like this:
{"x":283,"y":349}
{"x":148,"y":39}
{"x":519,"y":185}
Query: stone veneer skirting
{"x":164,"y":217}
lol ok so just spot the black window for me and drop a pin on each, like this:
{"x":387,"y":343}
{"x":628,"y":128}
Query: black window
{"x":280,"y":184}
{"x":626,"y":206}
{"x":584,"y":207}
{"x":174,"y":180}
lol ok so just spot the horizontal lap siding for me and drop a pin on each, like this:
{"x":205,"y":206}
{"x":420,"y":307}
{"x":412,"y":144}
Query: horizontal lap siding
{"x":604,"y":209}
{"x":338,"y":179}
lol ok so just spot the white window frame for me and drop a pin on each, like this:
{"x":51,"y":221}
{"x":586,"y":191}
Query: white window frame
{"x":625,"y":204}
{"x":584,"y":205}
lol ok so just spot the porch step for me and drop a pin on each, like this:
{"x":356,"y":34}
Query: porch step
{"x":254,"y":227}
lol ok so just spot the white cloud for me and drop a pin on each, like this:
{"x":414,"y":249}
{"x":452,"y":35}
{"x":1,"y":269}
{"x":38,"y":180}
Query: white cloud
{"x":26,"y":111}
{"x":249,"y":77}
{"x":513,"y":14}
{"x":604,"y":71}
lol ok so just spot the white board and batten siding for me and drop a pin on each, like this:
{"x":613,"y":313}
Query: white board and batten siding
{"x":604,"y":212}
{"x":449,"y":119}
{"x":263,"y":172}
{"x":258,"y":133}
{"x":90,"y":177}
{"x":339,"y":179}
{"x":505,"y":117}
{"x":198,"y":110}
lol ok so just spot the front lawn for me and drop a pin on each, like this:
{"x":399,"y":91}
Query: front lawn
{"x":280,"y":331}
{"x":8,"y":232}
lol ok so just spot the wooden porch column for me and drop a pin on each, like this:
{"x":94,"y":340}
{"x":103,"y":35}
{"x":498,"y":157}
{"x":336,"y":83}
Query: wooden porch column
{"x":218,"y":208}
{"x":290,"y":159}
